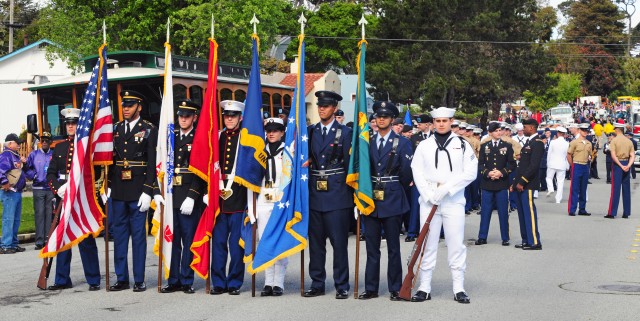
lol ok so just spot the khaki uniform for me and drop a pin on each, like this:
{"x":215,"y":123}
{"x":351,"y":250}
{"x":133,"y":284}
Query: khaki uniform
{"x":580,"y":151}
{"x":622,"y":147}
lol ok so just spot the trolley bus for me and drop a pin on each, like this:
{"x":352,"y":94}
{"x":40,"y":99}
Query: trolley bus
{"x":143,"y":71}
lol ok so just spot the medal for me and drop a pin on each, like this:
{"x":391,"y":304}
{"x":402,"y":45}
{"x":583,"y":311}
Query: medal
{"x":226,"y":193}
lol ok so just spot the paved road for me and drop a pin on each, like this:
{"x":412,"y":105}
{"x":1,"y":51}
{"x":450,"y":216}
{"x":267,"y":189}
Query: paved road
{"x":588,"y":270}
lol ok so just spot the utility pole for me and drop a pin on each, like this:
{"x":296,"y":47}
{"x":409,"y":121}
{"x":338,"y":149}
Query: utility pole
{"x":10,"y":26}
{"x":629,"y":9}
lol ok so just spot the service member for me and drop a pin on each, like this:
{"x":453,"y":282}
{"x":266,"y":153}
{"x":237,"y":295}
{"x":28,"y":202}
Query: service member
{"x":557,"y":163}
{"x":233,"y":202}
{"x":607,"y":154}
{"x":622,"y":156}
{"x":412,"y":219}
{"x":187,"y":201}
{"x":131,"y":183}
{"x":443,"y":165}
{"x":330,"y":199}
{"x":36,"y":170}
{"x":390,"y":155}
{"x":57,"y":176}
{"x":495,"y":163}
{"x":339,"y":116}
{"x":270,"y":193}
{"x":526,"y":182}
{"x":578,"y":156}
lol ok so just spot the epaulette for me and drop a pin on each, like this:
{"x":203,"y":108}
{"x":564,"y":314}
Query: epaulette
{"x":148,"y":123}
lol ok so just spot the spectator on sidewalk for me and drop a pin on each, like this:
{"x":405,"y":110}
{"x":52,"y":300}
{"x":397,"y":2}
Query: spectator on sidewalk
{"x":12,"y":181}
{"x":36,"y":170}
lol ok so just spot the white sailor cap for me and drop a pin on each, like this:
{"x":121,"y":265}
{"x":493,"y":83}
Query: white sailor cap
{"x":561,"y":130}
{"x":455,"y":123}
{"x":477,"y":130}
{"x":616,"y":125}
{"x":463,"y":125}
{"x":573,"y":125}
{"x":519,"y":126}
{"x":231,"y":107}
{"x":471,"y":127}
{"x":443,"y":112}
{"x":274,"y":123}
{"x":70,"y":114}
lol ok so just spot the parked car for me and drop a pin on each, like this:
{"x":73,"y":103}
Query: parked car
{"x":636,"y":162}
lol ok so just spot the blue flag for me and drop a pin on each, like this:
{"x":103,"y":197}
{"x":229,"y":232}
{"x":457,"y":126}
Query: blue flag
{"x":286,"y":232}
{"x":407,"y":118}
{"x":251,"y":155}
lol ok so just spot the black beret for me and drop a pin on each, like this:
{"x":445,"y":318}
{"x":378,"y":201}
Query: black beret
{"x":282,"y":111}
{"x":407,"y":128}
{"x":424,"y":119}
{"x":372,"y":117}
{"x":493,"y":127}
{"x":328,"y":98}
{"x":339,"y":112}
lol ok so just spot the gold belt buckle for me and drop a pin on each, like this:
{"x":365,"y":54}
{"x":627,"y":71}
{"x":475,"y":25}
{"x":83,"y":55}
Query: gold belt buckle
{"x":177,"y":180}
{"x":126,"y":175}
{"x":125,"y":163}
{"x":268,"y":184}
{"x":322,"y":185}
{"x":378,"y":195}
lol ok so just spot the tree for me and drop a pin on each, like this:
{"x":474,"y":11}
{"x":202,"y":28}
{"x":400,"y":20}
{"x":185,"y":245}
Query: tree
{"x":596,"y":21}
{"x":632,"y":76}
{"x":330,"y":36}
{"x":25,"y":11}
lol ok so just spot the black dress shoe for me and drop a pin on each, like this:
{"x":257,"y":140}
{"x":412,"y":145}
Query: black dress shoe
{"x":585,"y":214}
{"x":609,"y":216}
{"x":277,"y":291}
{"x":59,"y":287}
{"x":170,"y":288}
{"x":462,"y":297}
{"x":421,"y":296}
{"x":505,"y":243}
{"x":119,"y":286}
{"x":217,"y":290}
{"x":410,"y":239}
{"x":481,"y":241}
{"x":188,"y":289}
{"x":313,"y":292}
{"x":234,"y":291}
{"x":519,"y":246}
{"x":532,"y":247}
{"x":342,"y":294}
{"x":94,"y":287}
{"x":625,"y":216}
{"x":139,"y":287}
{"x":267,"y":291}
{"x":38,"y":247}
{"x":467,"y":212}
{"x":20,"y":249}
{"x":394,"y":296}
{"x":572,"y":214}
{"x":366,"y":295}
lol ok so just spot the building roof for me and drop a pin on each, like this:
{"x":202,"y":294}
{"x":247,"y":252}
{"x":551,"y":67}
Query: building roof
{"x":309,"y":79}
{"x":25,"y":48}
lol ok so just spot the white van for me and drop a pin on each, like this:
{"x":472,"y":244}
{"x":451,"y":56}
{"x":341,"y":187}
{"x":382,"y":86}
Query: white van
{"x":563,"y":114}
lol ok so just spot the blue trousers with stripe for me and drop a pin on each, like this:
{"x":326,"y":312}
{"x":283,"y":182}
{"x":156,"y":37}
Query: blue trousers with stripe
{"x":225,"y":244}
{"x":620,"y":181}
{"x":90,"y":263}
{"x":128,"y":221}
{"x":528,"y":216}
{"x":578,"y":191}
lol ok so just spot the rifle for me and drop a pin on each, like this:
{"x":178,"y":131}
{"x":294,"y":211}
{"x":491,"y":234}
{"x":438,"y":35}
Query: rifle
{"x":409,"y":279}
{"x":46,"y":262}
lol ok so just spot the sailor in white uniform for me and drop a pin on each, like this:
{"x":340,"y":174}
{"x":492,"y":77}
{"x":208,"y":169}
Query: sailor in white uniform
{"x":443,"y":165}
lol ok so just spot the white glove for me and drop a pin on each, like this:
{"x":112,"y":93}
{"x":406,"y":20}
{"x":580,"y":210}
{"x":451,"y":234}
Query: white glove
{"x":187,"y":206}
{"x":205,"y":199}
{"x":104,"y":197}
{"x":252,"y":218}
{"x":158,"y":199}
{"x":439,"y":194}
{"x":355,"y":213}
{"x":62,"y":189}
{"x":144,"y":202}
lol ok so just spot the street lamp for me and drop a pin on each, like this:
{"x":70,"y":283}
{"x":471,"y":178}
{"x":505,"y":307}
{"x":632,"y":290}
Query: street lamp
{"x":629,"y":9}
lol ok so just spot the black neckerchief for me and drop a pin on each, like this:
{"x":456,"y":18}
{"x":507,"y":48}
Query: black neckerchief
{"x":442,"y":140}
{"x":273,"y":149}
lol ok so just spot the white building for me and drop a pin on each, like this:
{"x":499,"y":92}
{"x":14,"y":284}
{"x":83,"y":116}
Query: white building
{"x":20,"y":69}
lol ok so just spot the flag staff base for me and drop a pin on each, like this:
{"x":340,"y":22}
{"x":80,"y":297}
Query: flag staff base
{"x":355,"y":287}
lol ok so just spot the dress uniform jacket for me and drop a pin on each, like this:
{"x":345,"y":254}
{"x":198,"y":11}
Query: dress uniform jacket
{"x":395,"y":199}
{"x":417,"y":138}
{"x":137,"y":149}
{"x":326,"y":156}
{"x":57,"y":175}
{"x":229,"y":140}
{"x":527,"y":173}
{"x":500,"y":157}
{"x":191,"y":185}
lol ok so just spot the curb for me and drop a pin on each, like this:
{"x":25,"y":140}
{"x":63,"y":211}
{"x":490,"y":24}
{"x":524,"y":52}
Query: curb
{"x":26,"y":238}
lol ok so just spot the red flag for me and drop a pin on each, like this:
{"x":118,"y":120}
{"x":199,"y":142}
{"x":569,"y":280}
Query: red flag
{"x":204,"y":162}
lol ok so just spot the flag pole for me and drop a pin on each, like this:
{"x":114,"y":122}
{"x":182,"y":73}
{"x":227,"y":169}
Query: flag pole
{"x":207,"y":287}
{"x":302,"y":20}
{"x":253,"y":244}
{"x":355,"y":287}
{"x":106,"y":227}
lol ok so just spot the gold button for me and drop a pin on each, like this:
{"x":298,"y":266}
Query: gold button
{"x":226,"y":168}
{"x":125,"y":150}
{"x":125,"y":143}
{"x":227,"y":162}
{"x":229,"y":143}
{"x":228,"y":149}
{"x":179,"y":157}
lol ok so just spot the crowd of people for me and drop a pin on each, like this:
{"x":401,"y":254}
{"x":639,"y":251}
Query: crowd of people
{"x":435,"y":164}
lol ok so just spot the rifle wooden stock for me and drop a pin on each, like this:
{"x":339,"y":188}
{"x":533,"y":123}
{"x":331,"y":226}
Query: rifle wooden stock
{"x":46,"y":262}
{"x":407,"y":284}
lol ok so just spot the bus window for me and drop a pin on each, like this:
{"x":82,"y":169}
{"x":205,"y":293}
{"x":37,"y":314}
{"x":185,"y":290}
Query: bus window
{"x":52,"y":103}
{"x":226,"y":94}
{"x":277,"y":101}
{"x":195,"y":94}
{"x":179,"y":92}
{"x":287,"y":101}
{"x":266,"y":103}
{"x":240,"y":95}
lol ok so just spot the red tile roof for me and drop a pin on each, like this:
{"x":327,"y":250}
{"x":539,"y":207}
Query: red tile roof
{"x":309,"y":79}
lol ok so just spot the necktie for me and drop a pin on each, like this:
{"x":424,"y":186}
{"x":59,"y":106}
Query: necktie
{"x":128,"y":129}
{"x":380,"y":145}
{"x":324,"y":131}
{"x":495,"y":144}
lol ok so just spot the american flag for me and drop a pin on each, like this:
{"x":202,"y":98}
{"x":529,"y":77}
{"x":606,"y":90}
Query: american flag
{"x":81,"y":215}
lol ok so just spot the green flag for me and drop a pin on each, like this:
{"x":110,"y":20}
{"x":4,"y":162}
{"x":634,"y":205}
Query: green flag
{"x":359,"y":176}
